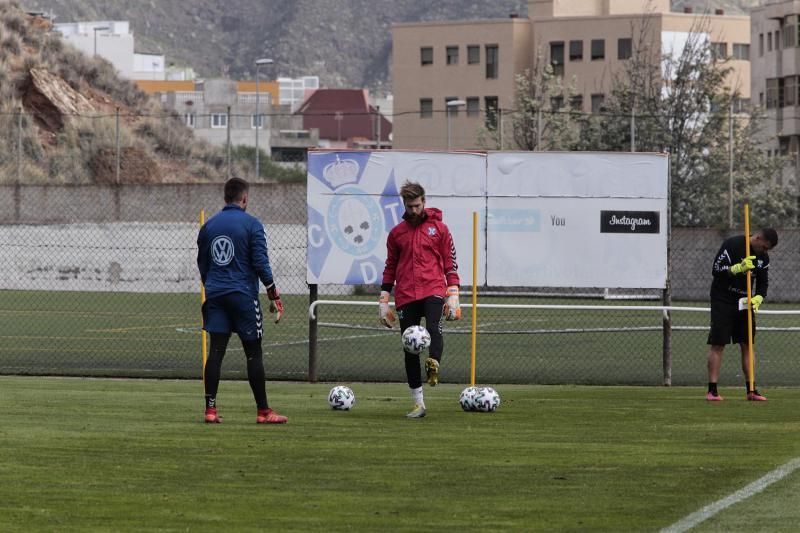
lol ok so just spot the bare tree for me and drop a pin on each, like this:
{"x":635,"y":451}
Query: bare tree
{"x":542,"y":118}
{"x":677,"y":101}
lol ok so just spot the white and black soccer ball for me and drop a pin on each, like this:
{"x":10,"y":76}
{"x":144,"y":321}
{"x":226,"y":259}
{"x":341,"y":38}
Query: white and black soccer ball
{"x":487,"y":400}
{"x":416,"y":339}
{"x":341,"y":398}
{"x":467,"y":398}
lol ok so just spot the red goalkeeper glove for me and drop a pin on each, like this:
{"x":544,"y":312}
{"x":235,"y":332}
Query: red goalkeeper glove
{"x":275,"y":303}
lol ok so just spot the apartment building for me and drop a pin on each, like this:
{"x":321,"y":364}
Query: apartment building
{"x":113,"y":40}
{"x":474,"y":64}
{"x":775,"y":34}
{"x":221,"y":110}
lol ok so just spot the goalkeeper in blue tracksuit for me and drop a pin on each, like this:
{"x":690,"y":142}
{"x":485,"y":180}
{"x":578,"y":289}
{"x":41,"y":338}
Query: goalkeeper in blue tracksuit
{"x":232,"y":258}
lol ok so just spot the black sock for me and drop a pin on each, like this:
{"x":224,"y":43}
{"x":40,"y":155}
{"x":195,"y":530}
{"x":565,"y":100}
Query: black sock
{"x":255,"y":372}
{"x":712,"y":388}
{"x":213,"y":368}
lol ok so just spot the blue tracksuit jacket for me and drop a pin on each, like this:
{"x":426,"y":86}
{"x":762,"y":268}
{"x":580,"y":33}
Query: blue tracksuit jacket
{"x":232,"y":253}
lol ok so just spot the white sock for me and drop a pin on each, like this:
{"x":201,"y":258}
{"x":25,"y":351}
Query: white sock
{"x":416,"y":395}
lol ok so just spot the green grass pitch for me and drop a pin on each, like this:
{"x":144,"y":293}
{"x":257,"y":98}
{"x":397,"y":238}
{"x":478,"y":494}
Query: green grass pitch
{"x":133,"y":455}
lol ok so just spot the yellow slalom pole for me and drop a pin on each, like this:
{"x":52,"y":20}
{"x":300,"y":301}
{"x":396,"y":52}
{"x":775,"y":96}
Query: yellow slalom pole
{"x":750,"y":364}
{"x":203,"y":334}
{"x":474,"y":294}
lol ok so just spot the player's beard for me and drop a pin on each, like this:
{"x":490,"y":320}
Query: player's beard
{"x":415,"y":220}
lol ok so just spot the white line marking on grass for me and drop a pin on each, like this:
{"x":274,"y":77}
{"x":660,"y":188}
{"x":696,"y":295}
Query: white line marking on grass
{"x":752,"y":489}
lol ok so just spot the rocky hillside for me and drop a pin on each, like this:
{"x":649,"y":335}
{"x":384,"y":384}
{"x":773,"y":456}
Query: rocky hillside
{"x":346,"y":42}
{"x":61,"y":107}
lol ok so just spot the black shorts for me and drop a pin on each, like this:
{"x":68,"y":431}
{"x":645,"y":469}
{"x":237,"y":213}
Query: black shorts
{"x":728,"y":324}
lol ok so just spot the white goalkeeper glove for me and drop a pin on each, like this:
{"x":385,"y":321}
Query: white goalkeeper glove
{"x":452,"y":309}
{"x":385,"y":313}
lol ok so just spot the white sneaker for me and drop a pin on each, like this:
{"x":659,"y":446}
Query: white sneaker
{"x":417,"y":412}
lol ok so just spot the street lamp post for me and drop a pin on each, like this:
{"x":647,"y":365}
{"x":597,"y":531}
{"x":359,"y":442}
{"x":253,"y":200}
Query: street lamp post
{"x":95,"y":30}
{"x":452,"y":105}
{"x":259,"y":62}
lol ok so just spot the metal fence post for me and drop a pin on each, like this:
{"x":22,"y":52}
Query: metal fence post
{"x":312,"y":336}
{"x":18,"y":184}
{"x":228,"y":141}
{"x":378,"y":118}
{"x":117,"y":162}
{"x":117,"y":181}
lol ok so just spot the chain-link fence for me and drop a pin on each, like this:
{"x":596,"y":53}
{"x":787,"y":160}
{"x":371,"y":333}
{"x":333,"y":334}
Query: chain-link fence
{"x":102,"y":280}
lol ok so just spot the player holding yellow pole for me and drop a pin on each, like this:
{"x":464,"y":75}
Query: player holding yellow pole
{"x":732,"y":297}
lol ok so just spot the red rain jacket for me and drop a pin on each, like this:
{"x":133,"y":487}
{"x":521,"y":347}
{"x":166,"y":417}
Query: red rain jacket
{"x":421,"y":260}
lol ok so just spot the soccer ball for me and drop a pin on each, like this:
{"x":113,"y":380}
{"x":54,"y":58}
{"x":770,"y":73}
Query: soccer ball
{"x":467,"y":399}
{"x":487,"y":400}
{"x":341,"y":398}
{"x":416,"y":339}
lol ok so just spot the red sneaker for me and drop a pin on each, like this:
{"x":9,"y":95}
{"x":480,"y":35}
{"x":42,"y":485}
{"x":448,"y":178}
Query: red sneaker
{"x":754,"y":396}
{"x":713,"y":397}
{"x":211,"y":416}
{"x":268,"y":416}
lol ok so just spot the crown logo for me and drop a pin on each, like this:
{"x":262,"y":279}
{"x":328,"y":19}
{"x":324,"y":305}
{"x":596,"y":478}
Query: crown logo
{"x":341,"y":172}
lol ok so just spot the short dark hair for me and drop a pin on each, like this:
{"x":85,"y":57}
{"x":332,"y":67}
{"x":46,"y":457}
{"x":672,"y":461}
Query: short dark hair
{"x":235,"y":188}
{"x":771,"y":236}
{"x":411,"y":190}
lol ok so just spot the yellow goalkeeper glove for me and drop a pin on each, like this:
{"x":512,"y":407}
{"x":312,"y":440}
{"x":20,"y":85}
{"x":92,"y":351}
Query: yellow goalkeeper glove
{"x":743,"y":266}
{"x":756,"y":301}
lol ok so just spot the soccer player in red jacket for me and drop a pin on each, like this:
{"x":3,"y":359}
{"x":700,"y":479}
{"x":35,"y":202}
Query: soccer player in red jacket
{"x":421,"y":266}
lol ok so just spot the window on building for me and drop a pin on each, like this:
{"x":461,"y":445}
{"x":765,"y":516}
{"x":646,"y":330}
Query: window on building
{"x":473,"y":106}
{"x":219,"y":120}
{"x":492,"y":105}
{"x":741,"y":105}
{"x":556,"y":103}
{"x":452,"y":55}
{"x":777,"y":39}
{"x":576,"y":50}
{"x":624,"y":48}
{"x":426,"y":55}
{"x":790,"y":31}
{"x":719,"y":50}
{"x":576,"y":103}
{"x":597,"y":103}
{"x":760,"y":44}
{"x":769,"y":42}
{"x":188,"y":119}
{"x":473,"y":54}
{"x":790,"y":91}
{"x":257,"y":121}
{"x":783,"y":143}
{"x":425,"y":108}
{"x":557,"y":57}
{"x":772,"y":92}
{"x":761,"y":99}
{"x":598,"y":49}
{"x":741,"y":51}
{"x":492,"y":61}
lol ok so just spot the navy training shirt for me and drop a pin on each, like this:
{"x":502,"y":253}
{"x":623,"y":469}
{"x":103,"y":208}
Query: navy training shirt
{"x":232,"y":253}
{"x":727,"y":287}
